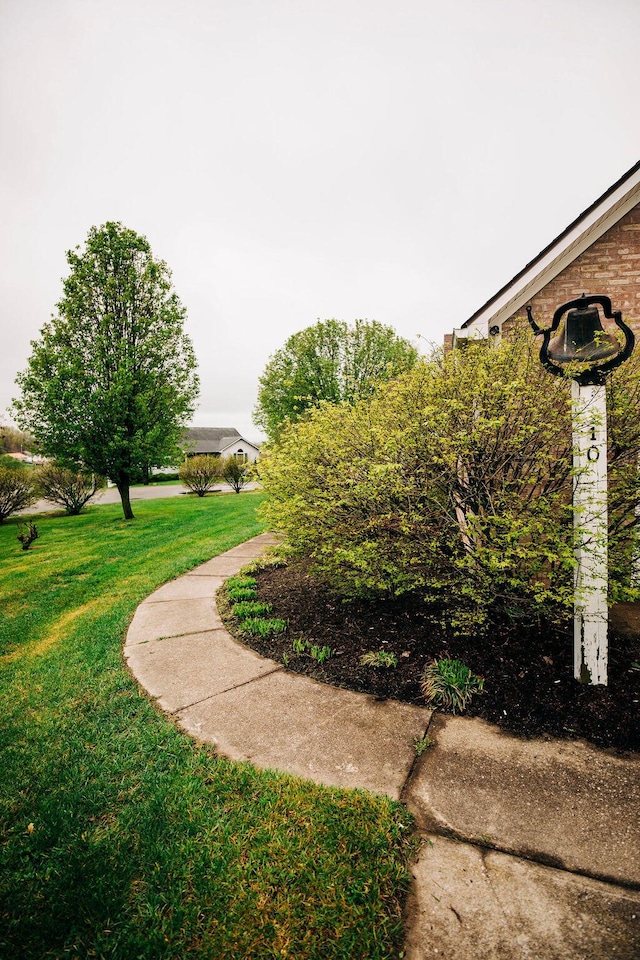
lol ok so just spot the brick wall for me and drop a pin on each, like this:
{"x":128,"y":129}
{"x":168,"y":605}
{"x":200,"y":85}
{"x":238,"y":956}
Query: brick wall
{"x":611,"y":266}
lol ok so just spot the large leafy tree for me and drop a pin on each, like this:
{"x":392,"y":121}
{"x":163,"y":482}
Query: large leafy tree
{"x":112,"y":379}
{"x":329,"y":361}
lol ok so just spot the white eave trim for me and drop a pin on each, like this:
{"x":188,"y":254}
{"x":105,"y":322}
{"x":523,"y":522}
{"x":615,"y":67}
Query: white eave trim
{"x":558,"y":257}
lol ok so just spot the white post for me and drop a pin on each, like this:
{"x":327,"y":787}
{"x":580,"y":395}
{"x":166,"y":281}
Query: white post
{"x":590,"y":530}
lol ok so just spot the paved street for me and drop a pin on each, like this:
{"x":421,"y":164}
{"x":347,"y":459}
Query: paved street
{"x":111,"y":495}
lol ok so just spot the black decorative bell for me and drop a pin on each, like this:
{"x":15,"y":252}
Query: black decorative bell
{"x":584,"y":340}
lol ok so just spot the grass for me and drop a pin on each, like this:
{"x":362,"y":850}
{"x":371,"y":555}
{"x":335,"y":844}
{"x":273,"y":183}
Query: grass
{"x":423,"y":743}
{"x":120,"y":836}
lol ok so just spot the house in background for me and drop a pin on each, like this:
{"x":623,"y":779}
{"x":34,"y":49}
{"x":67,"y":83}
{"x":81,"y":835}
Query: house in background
{"x":219,"y":442}
{"x":599,"y":253}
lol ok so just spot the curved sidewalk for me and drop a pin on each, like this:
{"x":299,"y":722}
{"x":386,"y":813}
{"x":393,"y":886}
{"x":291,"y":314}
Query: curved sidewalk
{"x":534,"y":846}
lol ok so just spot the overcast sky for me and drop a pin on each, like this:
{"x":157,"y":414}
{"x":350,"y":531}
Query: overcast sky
{"x":291,"y":160}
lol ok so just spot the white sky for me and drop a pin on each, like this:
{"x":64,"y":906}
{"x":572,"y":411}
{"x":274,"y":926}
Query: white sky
{"x":291,"y":160}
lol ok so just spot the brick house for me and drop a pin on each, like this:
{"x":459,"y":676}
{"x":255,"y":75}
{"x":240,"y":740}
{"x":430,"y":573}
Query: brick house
{"x":599,"y":253}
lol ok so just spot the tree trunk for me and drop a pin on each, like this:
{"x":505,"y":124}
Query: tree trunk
{"x":123,"y":489}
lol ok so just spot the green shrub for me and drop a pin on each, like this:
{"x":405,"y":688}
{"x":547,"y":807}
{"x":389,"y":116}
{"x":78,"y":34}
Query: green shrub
{"x":166,"y":476}
{"x":234,"y":472}
{"x":72,"y":489}
{"x":17,"y":490}
{"x":449,"y":683}
{"x":455,"y":481}
{"x":200,"y":474}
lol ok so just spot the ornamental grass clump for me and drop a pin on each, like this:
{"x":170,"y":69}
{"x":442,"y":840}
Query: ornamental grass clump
{"x":379,"y":658}
{"x":262,"y":627}
{"x":241,"y":588}
{"x":251,"y":608}
{"x":450,"y":684}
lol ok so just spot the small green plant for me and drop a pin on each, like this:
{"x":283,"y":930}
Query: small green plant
{"x":449,"y":683}
{"x":251,"y":608}
{"x":242,"y":581}
{"x":269,"y":561}
{"x":241,"y":588}
{"x":423,"y":743}
{"x":379,"y":658}
{"x":261,"y":627}
{"x":313,"y":649}
{"x":321,"y":653}
{"x":238,"y":594}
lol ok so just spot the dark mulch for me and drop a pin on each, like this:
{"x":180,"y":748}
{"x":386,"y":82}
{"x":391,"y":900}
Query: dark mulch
{"x":529,"y":684}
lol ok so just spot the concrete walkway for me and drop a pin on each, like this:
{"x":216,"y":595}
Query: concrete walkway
{"x":531,"y":848}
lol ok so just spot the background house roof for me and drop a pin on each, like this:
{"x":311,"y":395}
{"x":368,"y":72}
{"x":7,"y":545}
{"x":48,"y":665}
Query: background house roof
{"x":603,"y":214}
{"x":210,"y":439}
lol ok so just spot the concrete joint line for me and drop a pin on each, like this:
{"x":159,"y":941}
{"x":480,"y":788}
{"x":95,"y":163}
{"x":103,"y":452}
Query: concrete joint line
{"x":220,"y":693}
{"x":172,"y":636}
{"x":414,"y":764}
{"x":494,"y":893}
{"x":150,"y":602}
{"x":204,"y":576}
{"x":441,"y":828}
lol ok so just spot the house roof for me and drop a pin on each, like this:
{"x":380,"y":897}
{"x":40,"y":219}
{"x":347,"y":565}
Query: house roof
{"x":603,"y":214}
{"x":213,"y":439}
{"x":210,"y":439}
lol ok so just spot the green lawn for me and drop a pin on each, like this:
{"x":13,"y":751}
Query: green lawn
{"x":120,"y":836}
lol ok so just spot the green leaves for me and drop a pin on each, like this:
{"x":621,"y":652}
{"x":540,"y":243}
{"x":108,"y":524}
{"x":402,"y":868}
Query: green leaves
{"x":328,"y":362}
{"x":200,"y":473}
{"x":112,"y":379}
{"x":454,"y":480}
{"x":450,"y":684}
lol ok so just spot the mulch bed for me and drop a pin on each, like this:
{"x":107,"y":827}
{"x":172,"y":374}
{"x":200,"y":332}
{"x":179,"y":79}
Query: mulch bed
{"x":529,"y":684}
